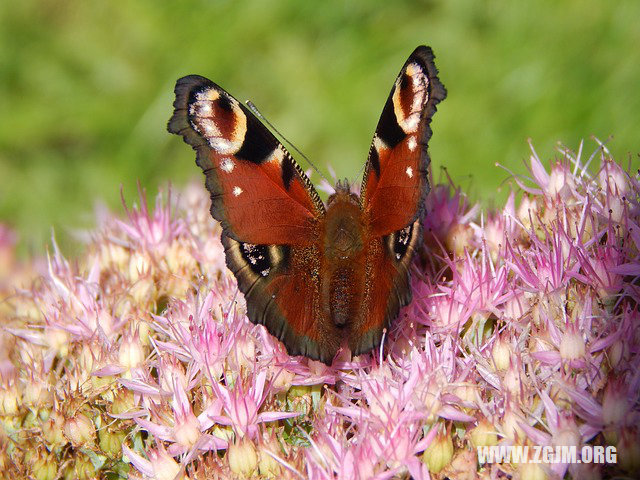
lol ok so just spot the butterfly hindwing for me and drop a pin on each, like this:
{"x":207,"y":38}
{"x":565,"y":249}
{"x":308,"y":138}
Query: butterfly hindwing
{"x":281,"y":285}
{"x":389,"y":261}
{"x":394,"y":188}
{"x":259,"y":193}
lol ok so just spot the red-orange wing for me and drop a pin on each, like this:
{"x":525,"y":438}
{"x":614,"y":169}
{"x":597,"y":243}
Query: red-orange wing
{"x":394,"y":188}
{"x":395,"y":181}
{"x":270,"y":214}
{"x":258,"y":192}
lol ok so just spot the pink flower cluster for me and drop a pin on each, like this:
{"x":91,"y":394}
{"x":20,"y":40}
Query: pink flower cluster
{"x":136,"y":359}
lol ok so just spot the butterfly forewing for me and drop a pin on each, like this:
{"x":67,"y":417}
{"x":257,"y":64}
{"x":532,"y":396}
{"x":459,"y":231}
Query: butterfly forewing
{"x":258,"y":192}
{"x":395,"y":181}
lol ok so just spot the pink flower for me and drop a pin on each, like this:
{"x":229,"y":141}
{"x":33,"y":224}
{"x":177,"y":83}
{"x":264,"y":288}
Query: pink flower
{"x":152,"y":231}
{"x":524,"y":329}
{"x":241,"y":404}
{"x":185,"y":432}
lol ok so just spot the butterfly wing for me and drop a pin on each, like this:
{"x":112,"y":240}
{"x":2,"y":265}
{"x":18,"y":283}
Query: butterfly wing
{"x":259,"y":193}
{"x":269,"y":211}
{"x":394,"y":188}
{"x":282,"y":284}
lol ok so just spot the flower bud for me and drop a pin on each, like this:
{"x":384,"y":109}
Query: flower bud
{"x":459,"y":237}
{"x":466,"y":393}
{"x":82,"y":469}
{"x":143,"y":290}
{"x":629,"y":451}
{"x":567,"y":433}
{"x":79,"y":430}
{"x":439,"y":452}
{"x":131,"y":354}
{"x":139,"y":265}
{"x":243,"y":458}
{"x":175,"y":286}
{"x":516,"y":307}
{"x":572,"y":345}
{"x":122,"y":402}
{"x":527,"y":210}
{"x":111,"y":442}
{"x":501,"y":354}
{"x":484,"y":434}
{"x":267,"y":465}
{"x":613,"y":178}
{"x":282,"y":379}
{"x":615,"y":352}
{"x":511,"y":423}
{"x":44,"y":467}
{"x":164,"y":466}
{"x":10,"y":399}
{"x":463,"y":466}
{"x":187,"y":431}
{"x":512,"y":381}
{"x":113,"y":255}
{"x":179,"y":258}
{"x":52,"y":430}
{"x":614,"y":403}
{"x":36,"y":394}
{"x":58,"y":340}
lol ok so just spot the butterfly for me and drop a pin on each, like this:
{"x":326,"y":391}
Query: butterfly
{"x":317,"y":276}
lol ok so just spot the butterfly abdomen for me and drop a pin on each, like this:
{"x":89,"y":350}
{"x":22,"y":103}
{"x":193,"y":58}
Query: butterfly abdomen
{"x":343,"y":243}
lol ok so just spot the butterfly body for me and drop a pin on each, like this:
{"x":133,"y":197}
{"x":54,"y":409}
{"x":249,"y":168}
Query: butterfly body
{"x":317,"y":276}
{"x":343,"y":242}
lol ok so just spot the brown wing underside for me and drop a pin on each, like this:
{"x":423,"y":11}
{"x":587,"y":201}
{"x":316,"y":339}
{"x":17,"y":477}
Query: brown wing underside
{"x":282,"y":286}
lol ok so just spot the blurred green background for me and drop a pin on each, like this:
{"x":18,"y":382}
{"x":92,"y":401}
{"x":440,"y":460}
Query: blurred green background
{"x":86,"y":88}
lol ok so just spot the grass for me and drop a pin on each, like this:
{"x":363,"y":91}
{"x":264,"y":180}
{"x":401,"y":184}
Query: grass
{"x":86,"y":88}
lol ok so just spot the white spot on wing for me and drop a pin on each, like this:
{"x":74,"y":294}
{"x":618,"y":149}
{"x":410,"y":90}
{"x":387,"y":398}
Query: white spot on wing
{"x":410,"y":124}
{"x":412,"y":144}
{"x":409,"y":172}
{"x":417,"y":77}
{"x":379,"y":145}
{"x":227,"y":165}
{"x":204,"y":109}
{"x":222,"y":145}
{"x":237,"y":191}
{"x":413,"y":68}
{"x":277,"y":155}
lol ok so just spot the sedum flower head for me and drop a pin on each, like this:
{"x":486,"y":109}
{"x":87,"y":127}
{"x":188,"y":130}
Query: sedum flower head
{"x":137,"y":358}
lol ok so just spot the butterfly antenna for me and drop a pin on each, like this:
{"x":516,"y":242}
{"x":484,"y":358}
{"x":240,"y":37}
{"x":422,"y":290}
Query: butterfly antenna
{"x":257,"y":113}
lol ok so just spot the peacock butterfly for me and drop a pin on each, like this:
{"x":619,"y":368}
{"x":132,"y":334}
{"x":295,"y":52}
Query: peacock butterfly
{"x":316,"y":274}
